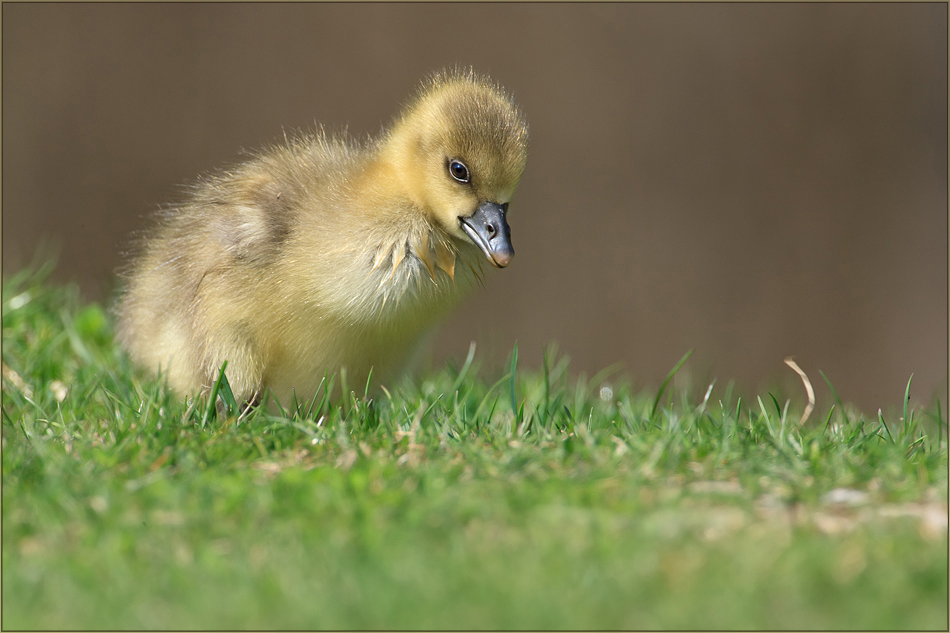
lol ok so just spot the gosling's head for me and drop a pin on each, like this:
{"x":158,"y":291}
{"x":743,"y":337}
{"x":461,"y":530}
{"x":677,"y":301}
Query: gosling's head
{"x":460,"y":147}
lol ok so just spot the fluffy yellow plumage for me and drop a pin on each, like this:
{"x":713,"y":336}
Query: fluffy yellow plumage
{"x":324,"y":254}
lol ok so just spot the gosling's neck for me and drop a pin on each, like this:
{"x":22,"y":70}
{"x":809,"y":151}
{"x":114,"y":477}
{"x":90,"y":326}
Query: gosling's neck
{"x":399,"y":232}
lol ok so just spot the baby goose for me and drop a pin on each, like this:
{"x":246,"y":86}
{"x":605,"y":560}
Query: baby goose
{"x":324,"y":254}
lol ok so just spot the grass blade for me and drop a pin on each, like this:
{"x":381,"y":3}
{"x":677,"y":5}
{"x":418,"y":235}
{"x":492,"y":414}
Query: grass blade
{"x":514,"y":367}
{"x":323,"y":383}
{"x":669,"y":377}
{"x":227,"y":395}
{"x":830,"y":412}
{"x":906,"y":425}
{"x":547,"y":384}
{"x":464,"y":371}
{"x":834,"y":394}
{"x":369,"y":377}
{"x":880,"y":418}
{"x":210,"y":410}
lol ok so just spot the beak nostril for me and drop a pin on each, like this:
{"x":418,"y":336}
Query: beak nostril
{"x":489,"y":231}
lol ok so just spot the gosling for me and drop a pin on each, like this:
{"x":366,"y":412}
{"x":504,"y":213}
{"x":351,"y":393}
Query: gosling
{"x":325,"y":255}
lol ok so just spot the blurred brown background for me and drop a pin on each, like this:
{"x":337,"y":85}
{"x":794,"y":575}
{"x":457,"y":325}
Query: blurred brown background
{"x":750,"y":180}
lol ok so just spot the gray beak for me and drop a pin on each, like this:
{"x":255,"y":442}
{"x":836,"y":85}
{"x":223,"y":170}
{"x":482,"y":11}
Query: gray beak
{"x":489,"y":230}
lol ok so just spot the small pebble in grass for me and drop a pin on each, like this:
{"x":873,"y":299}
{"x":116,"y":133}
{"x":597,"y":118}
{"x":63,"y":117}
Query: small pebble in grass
{"x":18,"y":382}
{"x":845,"y":496}
{"x":19,"y":301}
{"x":621,"y":449}
{"x":99,"y":504}
{"x":59,"y":390}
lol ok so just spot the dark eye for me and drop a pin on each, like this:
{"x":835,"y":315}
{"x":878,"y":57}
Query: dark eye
{"x":459,"y":171}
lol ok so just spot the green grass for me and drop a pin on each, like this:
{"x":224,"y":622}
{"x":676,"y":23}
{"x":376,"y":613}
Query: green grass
{"x":462,"y":500}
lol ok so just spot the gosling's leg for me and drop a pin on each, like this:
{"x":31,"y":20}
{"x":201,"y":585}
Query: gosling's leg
{"x":244,"y":371}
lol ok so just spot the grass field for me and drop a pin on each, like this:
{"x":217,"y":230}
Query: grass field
{"x":464,"y":500}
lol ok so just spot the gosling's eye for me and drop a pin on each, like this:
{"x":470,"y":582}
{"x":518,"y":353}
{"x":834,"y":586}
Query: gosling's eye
{"x":459,"y":171}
